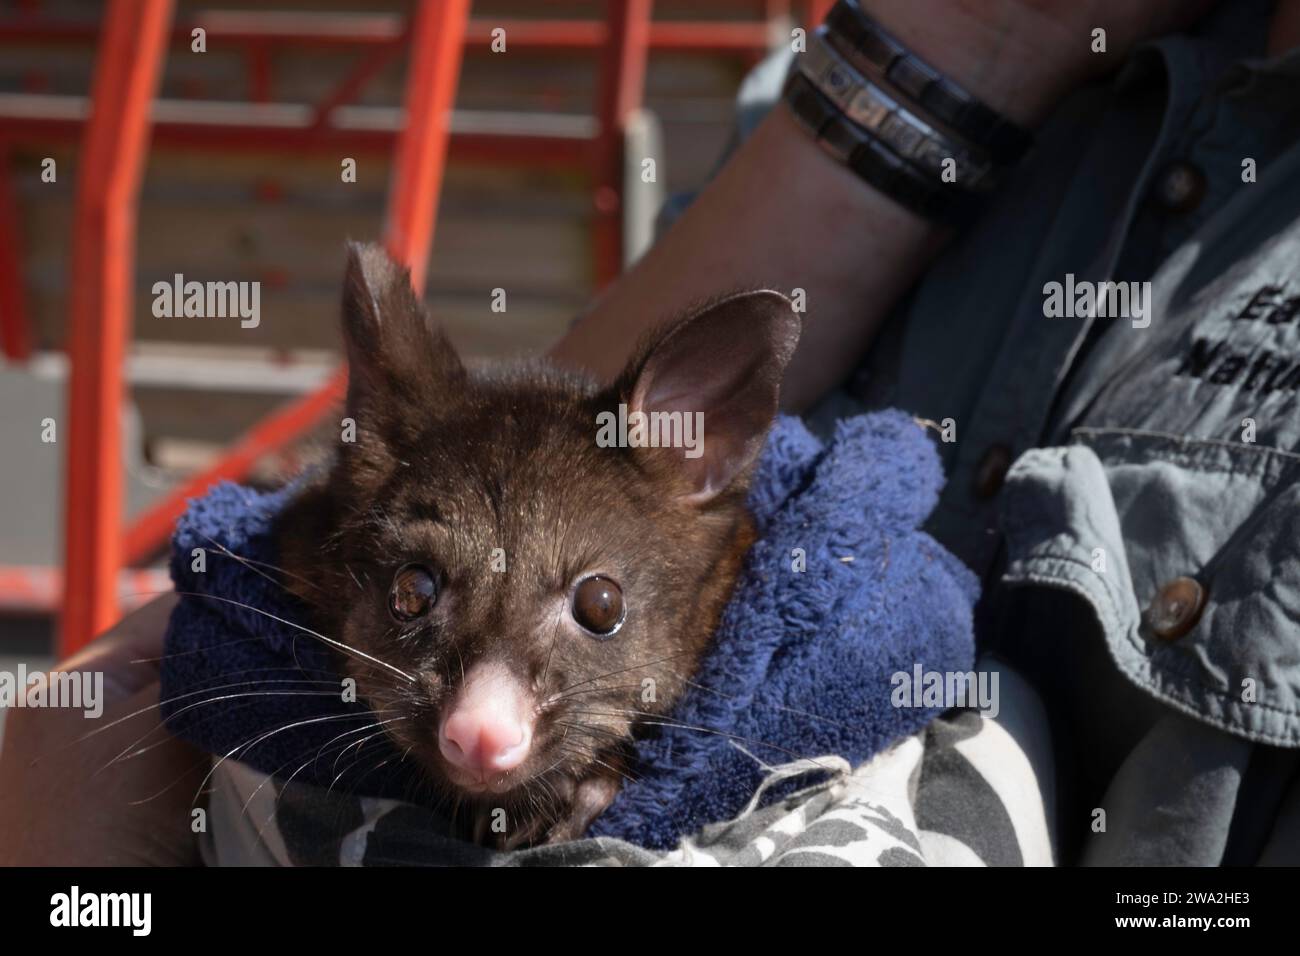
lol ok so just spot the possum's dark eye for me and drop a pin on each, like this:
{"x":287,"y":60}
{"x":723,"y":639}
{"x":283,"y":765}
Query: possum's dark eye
{"x":598,"y":605}
{"x":414,"y":591}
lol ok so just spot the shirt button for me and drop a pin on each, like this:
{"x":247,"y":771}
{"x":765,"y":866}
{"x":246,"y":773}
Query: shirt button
{"x":1176,"y":608}
{"x":1180,"y":187}
{"x":992,"y":470}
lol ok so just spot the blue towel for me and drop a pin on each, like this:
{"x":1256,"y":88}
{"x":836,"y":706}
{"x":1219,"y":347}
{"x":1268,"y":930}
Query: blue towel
{"x":801,"y":665}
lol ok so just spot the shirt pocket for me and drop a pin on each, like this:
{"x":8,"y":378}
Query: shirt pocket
{"x":1139,"y":523}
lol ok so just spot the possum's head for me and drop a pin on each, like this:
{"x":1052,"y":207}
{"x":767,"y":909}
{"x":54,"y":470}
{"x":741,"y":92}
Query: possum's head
{"x":534,"y":576}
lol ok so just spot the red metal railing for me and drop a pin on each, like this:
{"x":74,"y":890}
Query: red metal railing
{"x":129,"y":61}
{"x":132,"y":47}
{"x":103,"y":256}
{"x":437,"y":35}
{"x":411,"y":215}
{"x":623,"y":71}
{"x":259,"y":28}
{"x":261,"y":125}
{"x":15,"y":334}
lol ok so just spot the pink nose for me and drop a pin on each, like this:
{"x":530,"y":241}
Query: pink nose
{"x":490,"y":727}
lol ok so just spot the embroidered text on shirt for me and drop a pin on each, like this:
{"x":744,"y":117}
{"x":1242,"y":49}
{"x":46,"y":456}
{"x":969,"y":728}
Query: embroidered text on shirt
{"x":1211,"y":360}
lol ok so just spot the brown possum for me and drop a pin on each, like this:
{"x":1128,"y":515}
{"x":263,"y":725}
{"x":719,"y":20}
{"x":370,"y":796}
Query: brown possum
{"x":518,"y":588}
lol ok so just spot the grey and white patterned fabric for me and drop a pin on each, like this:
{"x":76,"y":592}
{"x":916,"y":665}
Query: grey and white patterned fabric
{"x":969,"y":790}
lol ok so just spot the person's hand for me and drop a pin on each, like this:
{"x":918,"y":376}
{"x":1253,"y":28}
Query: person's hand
{"x":65,"y":796}
{"x":1022,"y":56}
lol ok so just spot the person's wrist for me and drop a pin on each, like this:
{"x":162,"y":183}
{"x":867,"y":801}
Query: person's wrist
{"x":999,"y":52}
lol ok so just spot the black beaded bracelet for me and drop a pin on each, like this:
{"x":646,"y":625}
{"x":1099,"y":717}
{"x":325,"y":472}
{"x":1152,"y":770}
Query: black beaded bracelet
{"x":881,"y":115}
{"x":873,"y":161}
{"x":929,"y":89}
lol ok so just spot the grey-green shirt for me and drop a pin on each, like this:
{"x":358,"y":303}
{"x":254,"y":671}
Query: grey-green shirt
{"x":1142,"y":553}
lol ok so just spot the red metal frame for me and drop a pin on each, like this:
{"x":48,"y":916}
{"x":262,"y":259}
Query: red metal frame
{"x":816,"y":11}
{"x":109,"y":172}
{"x":437,"y":34}
{"x":134,"y":41}
{"x":24,"y":588}
{"x":94,"y":540}
{"x":621,"y":89}
{"x":366,"y":68}
{"x":412,"y":213}
{"x":343,"y":31}
{"x":152,"y":526}
{"x":15,"y":335}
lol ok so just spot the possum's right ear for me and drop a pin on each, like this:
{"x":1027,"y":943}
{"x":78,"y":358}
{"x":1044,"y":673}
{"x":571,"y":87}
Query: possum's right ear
{"x":398,"y":359}
{"x":724,"y":363}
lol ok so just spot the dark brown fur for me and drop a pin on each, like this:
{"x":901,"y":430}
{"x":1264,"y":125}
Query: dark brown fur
{"x":450,"y":464}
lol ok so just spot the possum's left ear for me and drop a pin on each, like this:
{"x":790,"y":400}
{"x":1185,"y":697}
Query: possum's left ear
{"x":725,"y":362}
{"x":397,"y":357}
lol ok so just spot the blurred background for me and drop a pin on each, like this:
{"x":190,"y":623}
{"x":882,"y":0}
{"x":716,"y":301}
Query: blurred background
{"x":543,"y":194}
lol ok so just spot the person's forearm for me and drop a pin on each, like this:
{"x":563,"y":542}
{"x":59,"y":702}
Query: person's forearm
{"x":783,"y":214}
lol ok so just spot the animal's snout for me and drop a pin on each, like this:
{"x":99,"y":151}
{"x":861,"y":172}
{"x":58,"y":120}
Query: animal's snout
{"x":489,"y":728}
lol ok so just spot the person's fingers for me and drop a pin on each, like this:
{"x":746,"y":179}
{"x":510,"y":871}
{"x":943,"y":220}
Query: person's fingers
{"x":128,"y":653}
{"x":154,"y":781}
{"x":118,"y":790}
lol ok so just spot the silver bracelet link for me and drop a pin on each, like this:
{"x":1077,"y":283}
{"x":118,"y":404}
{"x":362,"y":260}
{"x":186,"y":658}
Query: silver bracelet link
{"x":884,"y":117}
